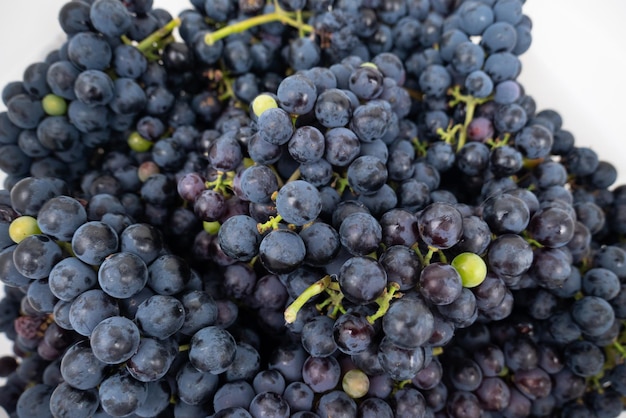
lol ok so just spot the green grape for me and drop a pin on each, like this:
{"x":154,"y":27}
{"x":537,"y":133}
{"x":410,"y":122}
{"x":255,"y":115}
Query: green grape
{"x":355,"y":383}
{"x":263,"y":102}
{"x":138,"y":143}
{"x":23,"y":227}
{"x":211,"y":227}
{"x":471,"y":268}
{"x":54,"y":105}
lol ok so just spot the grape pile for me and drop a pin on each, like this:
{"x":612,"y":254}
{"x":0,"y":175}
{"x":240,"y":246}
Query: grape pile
{"x":307,"y":209}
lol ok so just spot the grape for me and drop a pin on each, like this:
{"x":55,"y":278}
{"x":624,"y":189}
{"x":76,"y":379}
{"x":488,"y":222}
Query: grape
{"x":317,"y":337}
{"x":372,"y":120}
{"x":593,"y":315}
{"x":94,"y":241}
{"x":440,"y":283}
{"x":230,"y":233}
{"x":400,"y":363}
{"x":366,"y":174}
{"x":265,"y":403}
{"x":166,"y":198}
{"x":80,"y":368}
{"x":160,"y":316}
{"x":71,"y":277}
{"x":472,"y":269}
{"x":375,"y":407}
{"x":168,"y":274}
{"x":337,"y":404}
{"x":195,"y":386}
{"x":366,"y":82}
{"x":296,"y":94}
{"x":220,"y":343}
{"x":120,"y":394}
{"x":122,"y":275}
{"x":362,"y":279}
{"x":298,"y":202}
{"x":157,"y":399}
{"x":322,"y":243}
{"x":506,"y":214}
{"x":342,"y":146}
{"x":114,"y":340}
{"x":275,"y":126}
{"x":401,"y":265}
{"x":60,"y":217}
{"x":440,"y":225}
{"x":89,"y":308}
{"x":35,"y":256}
{"x":360,"y":233}
{"x":510,"y":255}
{"x":321,"y":374}
{"x":299,"y":396}
{"x":333,"y":108}
{"x":352,"y":333}
{"x":281,"y":251}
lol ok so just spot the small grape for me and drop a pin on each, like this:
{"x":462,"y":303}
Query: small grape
{"x":263,"y":102}
{"x":22,"y":227}
{"x":471,"y":267}
{"x":355,"y":383}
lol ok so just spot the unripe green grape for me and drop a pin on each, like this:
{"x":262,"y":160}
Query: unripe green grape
{"x":211,"y":227}
{"x":54,"y":105}
{"x":263,"y":102}
{"x":23,"y":227}
{"x":138,"y":143}
{"x":355,"y":383}
{"x":471,"y":268}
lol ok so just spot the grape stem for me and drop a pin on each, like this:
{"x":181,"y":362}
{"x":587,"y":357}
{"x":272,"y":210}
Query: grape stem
{"x":315,"y":289}
{"x":222,"y":182}
{"x":271,"y":224}
{"x":340,"y":183}
{"x":278,"y":15}
{"x":470,"y":107}
{"x":384,"y":300}
{"x":421,"y":147}
{"x":294,"y":176}
{"x":620,"y":348}
{"x":151,"y":40}
{"x":335,"y":297}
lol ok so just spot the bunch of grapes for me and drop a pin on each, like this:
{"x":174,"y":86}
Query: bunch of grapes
{"x":307,"y":209}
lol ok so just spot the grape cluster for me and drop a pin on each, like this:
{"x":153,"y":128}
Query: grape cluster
{"x":307,"y":209}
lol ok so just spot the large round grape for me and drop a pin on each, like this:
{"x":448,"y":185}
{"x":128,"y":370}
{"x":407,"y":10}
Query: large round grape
{"x":298,"y":202}
{"x":440,"y":225}
{"x":362,"y":279}
{"x":212,"y":349}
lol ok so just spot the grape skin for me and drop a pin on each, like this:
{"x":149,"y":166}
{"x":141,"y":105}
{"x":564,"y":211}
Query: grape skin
{"x":190,"y":124}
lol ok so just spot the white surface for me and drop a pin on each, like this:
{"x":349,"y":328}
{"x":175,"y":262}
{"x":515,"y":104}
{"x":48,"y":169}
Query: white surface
{"x":576,"y":64}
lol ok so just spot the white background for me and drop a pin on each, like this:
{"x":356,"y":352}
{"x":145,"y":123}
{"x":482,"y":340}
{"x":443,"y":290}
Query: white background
{"x":576,"y":64}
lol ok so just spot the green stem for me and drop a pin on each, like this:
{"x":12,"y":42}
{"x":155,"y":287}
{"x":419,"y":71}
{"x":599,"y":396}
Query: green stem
{"x":340,"y":183}
{"x":222,"y":183}
{"x":300,"y":23}
{"x":429,"y":255}
{"x":278,"y":15}
{"x":271,"y":224}
{"x":154,"y":37}
{"x":620,"y":348}
{"x":315,"y":289}
{"x":294,"y":176}
{"x":470,"y":107}
{"x":421,"y":147}
{"x":384,"y":300}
